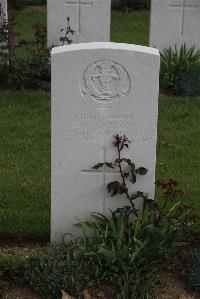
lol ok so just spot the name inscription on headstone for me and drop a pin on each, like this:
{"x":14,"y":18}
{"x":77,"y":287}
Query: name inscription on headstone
{"x":88,"y":127}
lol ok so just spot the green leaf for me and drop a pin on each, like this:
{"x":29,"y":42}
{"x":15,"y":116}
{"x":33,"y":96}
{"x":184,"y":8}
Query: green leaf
{"x":141,"y":171}
{"x":133,"y":178}
{"x":175,"y":206}
{"x":136,"y":195}
{"x":126,"y":174}
{"x":109,"y":165}
{"x":99,"y":165}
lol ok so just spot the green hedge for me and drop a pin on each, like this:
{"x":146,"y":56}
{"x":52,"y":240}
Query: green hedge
{"x":131,"y":4}
{"x":120,"y":4}
{"x":19,"y":4}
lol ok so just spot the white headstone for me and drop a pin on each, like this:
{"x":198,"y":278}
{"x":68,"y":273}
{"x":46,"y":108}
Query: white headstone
{"x":3,"y":20}
{"x":99,"y":90}
{"x":90,"y":19}
{"x":3,"y":8}
{"x":175,"y":22}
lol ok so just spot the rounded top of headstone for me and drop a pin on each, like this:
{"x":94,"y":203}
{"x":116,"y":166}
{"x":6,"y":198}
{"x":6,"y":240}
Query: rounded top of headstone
{"x":105,"y":45}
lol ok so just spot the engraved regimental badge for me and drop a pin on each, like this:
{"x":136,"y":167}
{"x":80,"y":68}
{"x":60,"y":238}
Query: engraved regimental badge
{"x":105,"y":81}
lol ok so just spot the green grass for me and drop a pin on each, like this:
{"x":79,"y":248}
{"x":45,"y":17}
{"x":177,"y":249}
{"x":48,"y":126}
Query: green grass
{"x":26,"y":20}
{"x":25,"y":164}
{"x":130,"y":28}
{"x":178,"y":146}
{"x":25,"y":142}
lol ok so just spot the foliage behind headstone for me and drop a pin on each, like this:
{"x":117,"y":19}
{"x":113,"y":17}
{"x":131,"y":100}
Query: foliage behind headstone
{"x":20,"y":4}
{"x":30,"y":70}
{"x":131,"y":4}
{"x":180,"y":71}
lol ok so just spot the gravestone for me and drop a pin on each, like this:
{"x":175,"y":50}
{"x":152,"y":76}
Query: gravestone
{"x":99,"y":90}
{"x":90,"y":19}
{"x":3,"y":9}
{"x":175,"y":22}
{"x":3,"y":21}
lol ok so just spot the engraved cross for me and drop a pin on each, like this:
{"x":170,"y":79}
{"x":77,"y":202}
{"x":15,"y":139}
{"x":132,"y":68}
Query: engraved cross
{"x":183,"y":5}
{"x":79,"y":4}
{"x":103,"y":172}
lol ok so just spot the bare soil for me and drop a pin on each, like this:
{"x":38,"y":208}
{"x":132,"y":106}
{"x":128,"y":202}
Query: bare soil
{"x":10,"y":246}
{"x":36,"y":8}
{"x":19,"y":293}
{"x":174,"y":289}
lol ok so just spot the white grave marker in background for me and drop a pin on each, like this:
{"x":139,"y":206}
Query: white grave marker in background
{"x":3,"y":8}
{"x":90,"y":19}
{"x":99,"y":90}
{"x":3,"y":18}
{"x":175,"y":22}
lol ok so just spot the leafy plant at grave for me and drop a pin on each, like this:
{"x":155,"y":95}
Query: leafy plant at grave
{"x":127,"y":170}
{"x":180,"y":70}
{"x":124,"y":252}
{"x":191,"y":270}
{"x":130,"y":246}
{"x":68,"y":31}
{"x":10,"y":268}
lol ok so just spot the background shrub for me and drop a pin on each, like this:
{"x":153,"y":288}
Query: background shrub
{"x":58,"y":268}
{"x":131,"y":4}
{"x":36,"y":2}
{"x":120,"y":4}
{"x":180,"y":71}
{"x":17,"y":4}
{"x":30,"y":70}
{"x":20,"y":4}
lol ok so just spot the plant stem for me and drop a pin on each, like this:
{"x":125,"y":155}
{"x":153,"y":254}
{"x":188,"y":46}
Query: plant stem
{"x":123,"y":178}
{"x":162,"y":210}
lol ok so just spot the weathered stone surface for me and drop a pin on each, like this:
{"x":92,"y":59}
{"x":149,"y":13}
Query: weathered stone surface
{"x":90,"y":19}
{"x":3,"y":8}
{"x":99,"y":90}
{"x":175,"y":22}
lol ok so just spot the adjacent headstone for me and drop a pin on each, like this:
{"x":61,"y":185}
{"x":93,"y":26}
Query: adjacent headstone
{"x":3,"y":24}
{"x":90,"y":19}
{"x":99,"y":90}
{"x":3,"y":9}
{"x":175,"y":22}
